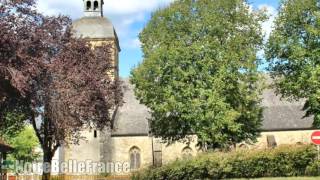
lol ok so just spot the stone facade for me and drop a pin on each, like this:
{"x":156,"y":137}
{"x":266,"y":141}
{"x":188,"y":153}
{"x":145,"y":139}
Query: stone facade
{"x":130,"y":140}
{"x":283,"y":137}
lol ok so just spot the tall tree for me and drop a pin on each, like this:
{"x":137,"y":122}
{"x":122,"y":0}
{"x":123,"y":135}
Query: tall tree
{"x":199,"y":74}
{"x":293,"y":51}
{"x":25,"y":145}
{"x":61,"y":81}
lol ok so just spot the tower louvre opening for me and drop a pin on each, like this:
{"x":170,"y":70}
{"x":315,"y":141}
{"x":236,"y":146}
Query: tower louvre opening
{"x":96,"y":5}
{"x":88,"y":5}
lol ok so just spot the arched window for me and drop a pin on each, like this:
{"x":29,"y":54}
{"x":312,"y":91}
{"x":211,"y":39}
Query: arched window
{"x":187,"y":152}
{"x":88,"y":5}
{"x":243,"y":146}
{"x":299,"y":143}
{"x":135,"y":158}
{"x":95,"y":5}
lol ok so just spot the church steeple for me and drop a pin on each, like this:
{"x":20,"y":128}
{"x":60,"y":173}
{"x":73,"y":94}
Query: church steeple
{"x":93,"y":8}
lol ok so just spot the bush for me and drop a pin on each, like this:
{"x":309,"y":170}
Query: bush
{"x":283,"y":161}
{"x":313,"y":169}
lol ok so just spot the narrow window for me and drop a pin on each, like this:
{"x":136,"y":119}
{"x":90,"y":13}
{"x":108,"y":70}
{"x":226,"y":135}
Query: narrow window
{"x":95,"y":5}
{"x":271,"y":140}
{"x":88,"y":5}
{"x":95,"y":134}
{"x":135,"y":158}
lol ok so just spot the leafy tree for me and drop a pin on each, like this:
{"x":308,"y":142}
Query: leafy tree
{"x":25,"y":146}
{"x":61,"y":81}
{"x":293,"y":51}
{"x":199,"y":74}
{"x":13,"y":122}
{"x":12,"y":110}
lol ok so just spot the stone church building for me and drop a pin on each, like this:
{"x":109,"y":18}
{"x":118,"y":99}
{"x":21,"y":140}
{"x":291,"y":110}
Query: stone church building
{"x":130,"y":140}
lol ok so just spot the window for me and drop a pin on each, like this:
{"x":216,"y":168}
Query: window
{"x":187,"y":152}
{"x":95,"y":5}
{"x":243,"y":146}
{"x":88,"y":5}
{"x":135,"y":158}
{"x":271,"y":141}
{"x":95,"y":134}
{"x":299,"y":143}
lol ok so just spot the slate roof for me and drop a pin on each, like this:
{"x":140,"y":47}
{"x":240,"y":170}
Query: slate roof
{"x":278,"y":114}
{"x":94,"y":28}
{"x":132,"y":117}
{"x":281,"y":114}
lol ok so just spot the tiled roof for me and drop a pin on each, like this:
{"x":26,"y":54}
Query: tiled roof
{"x":132,"y":117}
{"x":278,"y":114}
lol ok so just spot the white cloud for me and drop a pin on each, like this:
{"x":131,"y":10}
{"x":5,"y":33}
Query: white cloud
{"x":133,"y":43}
{"x":123,"y":14}
{"x":111,"y":7}
{"x":269,"y":24}
{"x":133,"y":6}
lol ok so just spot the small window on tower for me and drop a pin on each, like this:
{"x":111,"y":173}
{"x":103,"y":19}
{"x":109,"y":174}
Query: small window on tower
{"x":88,"y":5}
{"x":95,"y":5}
{"x":95,"y":134}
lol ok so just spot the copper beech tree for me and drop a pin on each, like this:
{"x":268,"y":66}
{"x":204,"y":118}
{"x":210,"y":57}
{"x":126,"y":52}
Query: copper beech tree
{"x":58,"y":82}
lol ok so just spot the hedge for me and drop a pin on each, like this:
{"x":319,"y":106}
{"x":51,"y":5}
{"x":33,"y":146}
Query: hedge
{"x":284,"y":161}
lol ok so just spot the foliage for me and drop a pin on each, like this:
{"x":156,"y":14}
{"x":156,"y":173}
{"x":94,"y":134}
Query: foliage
{"x":293,"y":51}
{"x":313,"y":169}
{"x":61,"y":81}
{"x":25,"y":144}
{"x":199,"y":73}
{"x":13,"y":110}
{"x":13,"y":122}
{"x":284,"y":161}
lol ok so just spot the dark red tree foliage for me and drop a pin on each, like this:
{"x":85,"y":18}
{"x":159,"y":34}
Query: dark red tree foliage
{"x":61,"y":81}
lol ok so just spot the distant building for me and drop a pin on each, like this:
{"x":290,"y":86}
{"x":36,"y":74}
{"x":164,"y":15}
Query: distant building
{"x":130,"y":142}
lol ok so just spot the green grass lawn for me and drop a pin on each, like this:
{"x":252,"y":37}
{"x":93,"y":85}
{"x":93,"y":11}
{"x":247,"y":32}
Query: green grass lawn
{"x":287,"y":178}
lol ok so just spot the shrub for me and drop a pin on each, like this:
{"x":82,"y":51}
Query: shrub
{"x":313,"y":169}
{"x":282,"y":161}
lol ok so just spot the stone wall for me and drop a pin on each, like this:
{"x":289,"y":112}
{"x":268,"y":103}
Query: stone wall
{"x":117,"y":149}
{"x":283,"y":137}
{"x":114,"y":53}
{"x":121,"y":147}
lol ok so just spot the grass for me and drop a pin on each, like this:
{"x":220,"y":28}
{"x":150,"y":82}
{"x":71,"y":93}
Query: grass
{"x":287,"y":178}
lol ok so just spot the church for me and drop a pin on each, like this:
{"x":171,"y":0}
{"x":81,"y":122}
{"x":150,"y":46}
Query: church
{"x":130,"y":140}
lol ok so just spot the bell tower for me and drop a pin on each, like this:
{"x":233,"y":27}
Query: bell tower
{"x":93,"y":8}
{"x":98,"y":30}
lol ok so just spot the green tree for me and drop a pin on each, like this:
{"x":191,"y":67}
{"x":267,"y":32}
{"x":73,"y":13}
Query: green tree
{"x":199,"y":74}
{"x":60,"y":80}
{"x":13,"y":110}
{"x":13,"y":123}
{"x":293,"y":51}
{"x":26,"y":149}
{"x":25,"y":145}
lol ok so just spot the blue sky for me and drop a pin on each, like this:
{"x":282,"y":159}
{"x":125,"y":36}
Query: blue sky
{"x":129,"y":17}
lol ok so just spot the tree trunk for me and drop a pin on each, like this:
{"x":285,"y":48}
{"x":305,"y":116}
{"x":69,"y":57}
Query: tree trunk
{"x":47,"y":160}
